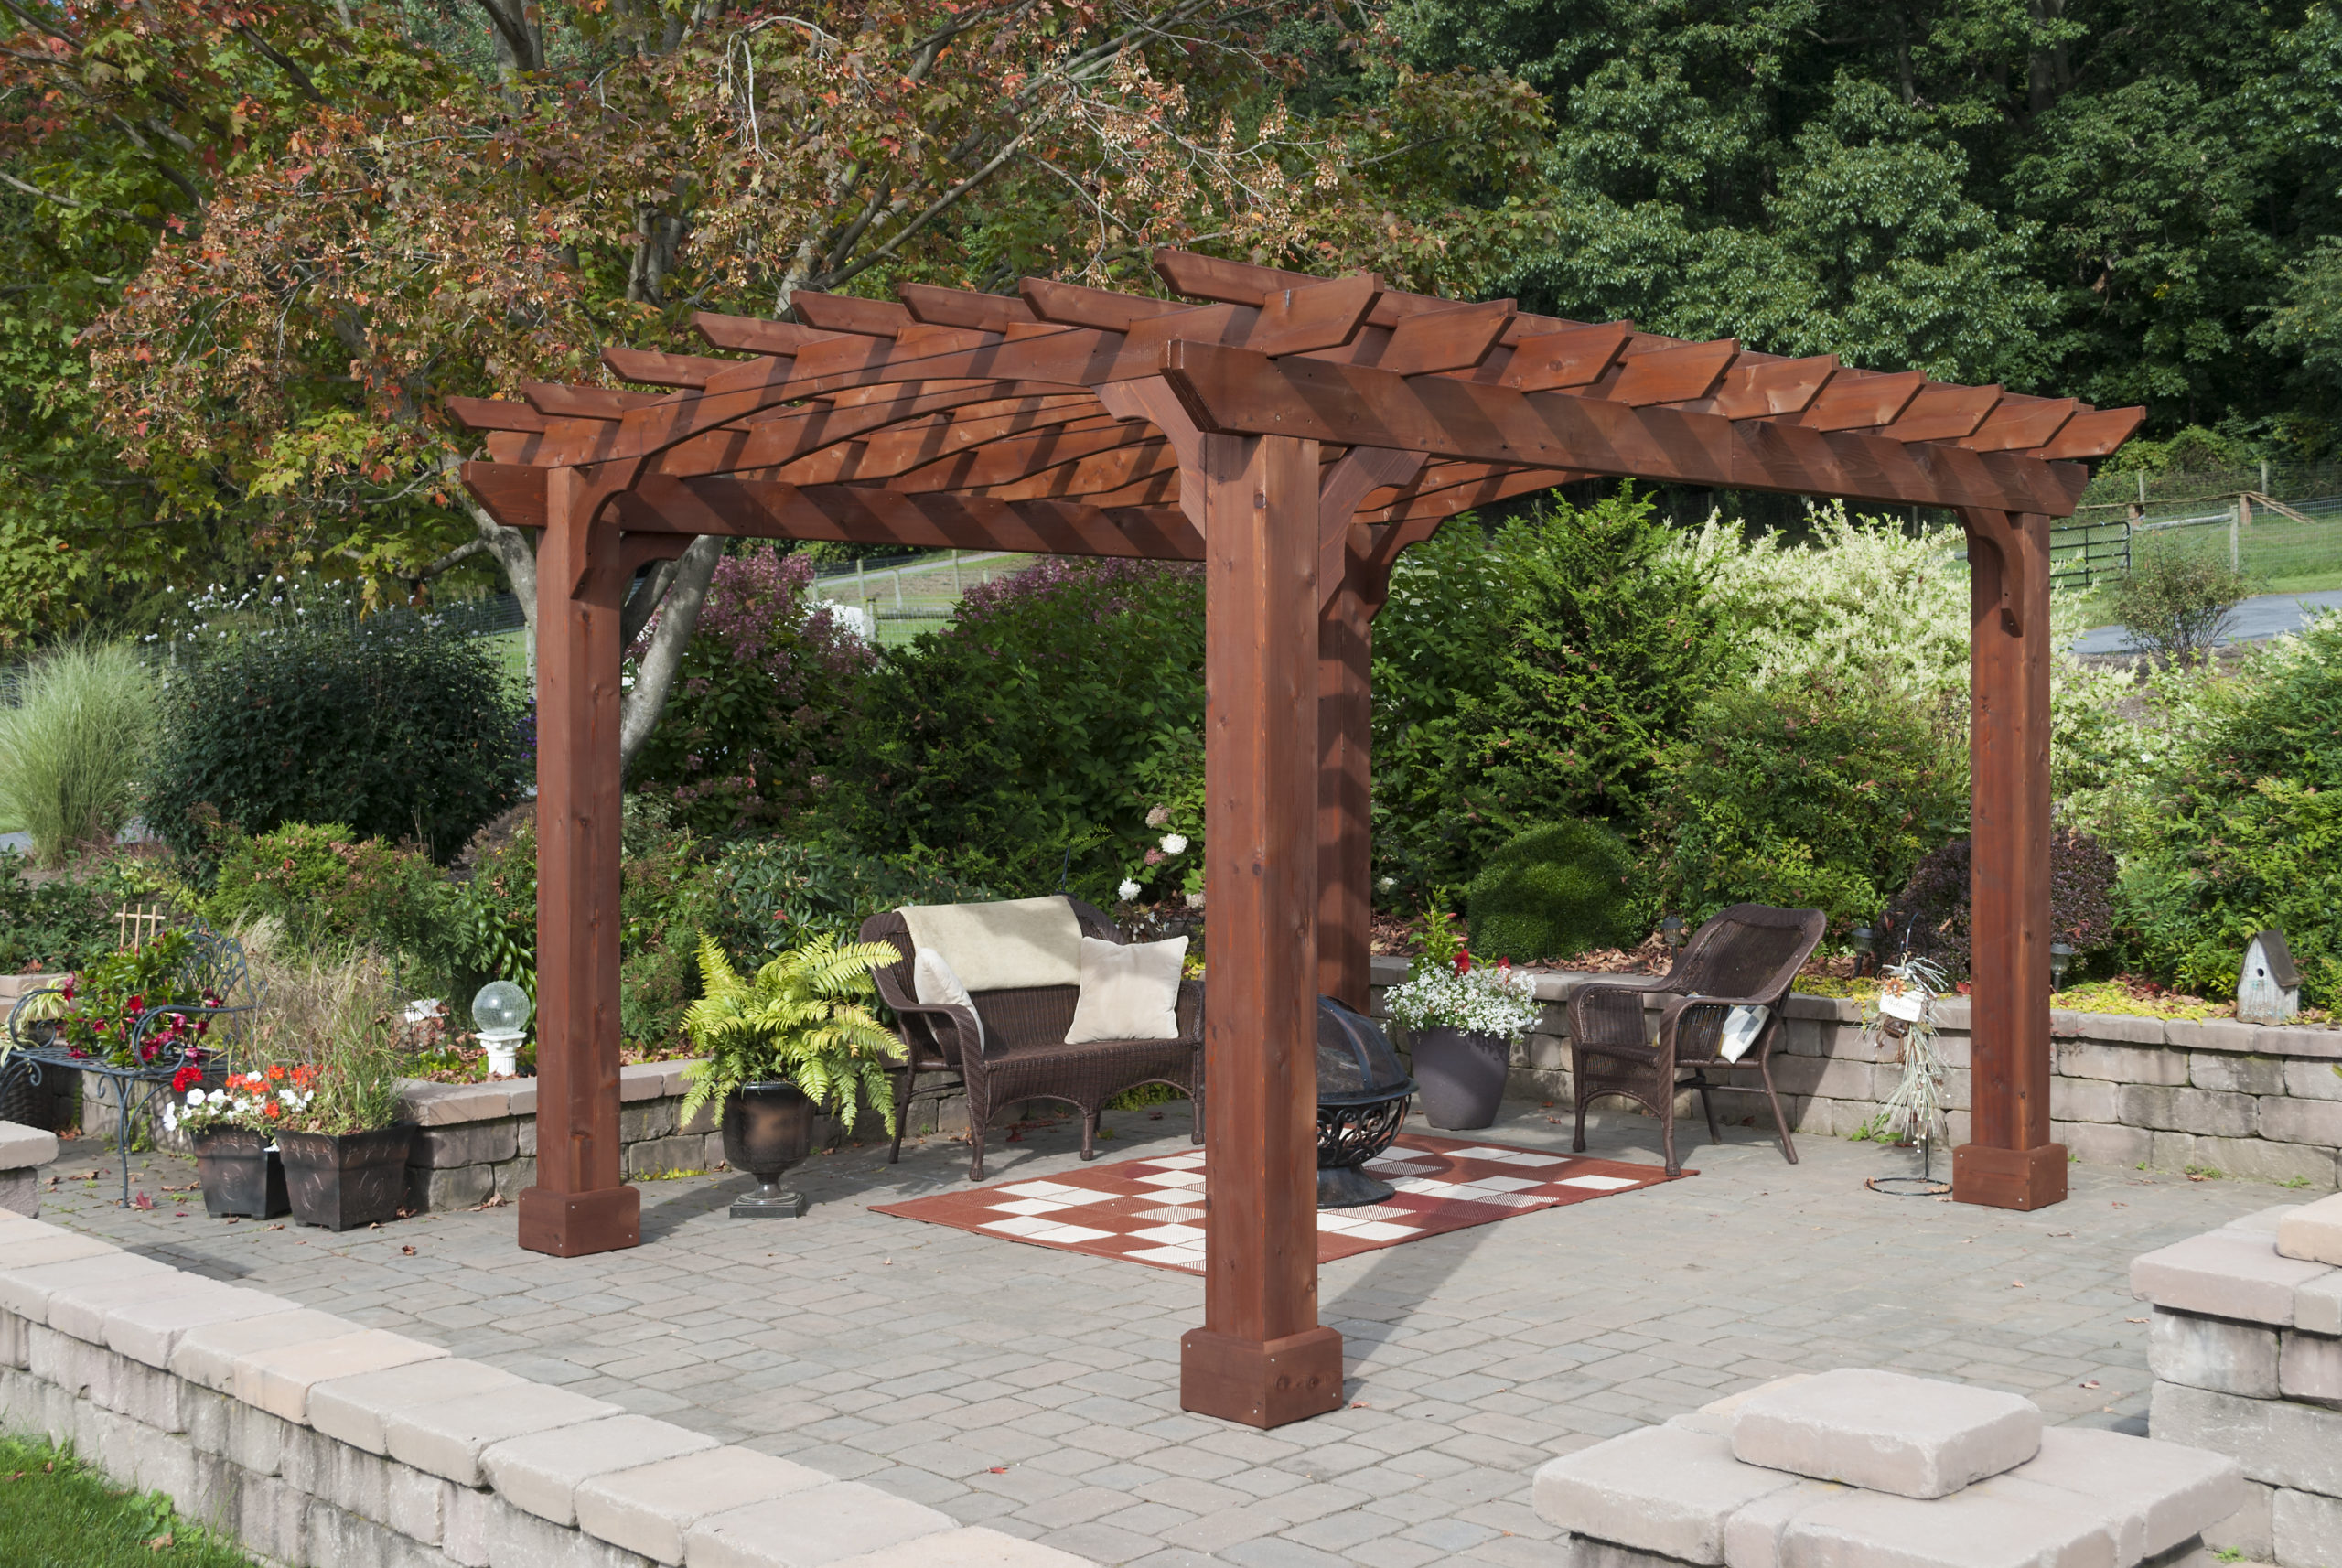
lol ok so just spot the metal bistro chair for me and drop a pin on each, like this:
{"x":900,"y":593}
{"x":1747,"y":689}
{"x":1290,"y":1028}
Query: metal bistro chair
{"x":1746,"y":956}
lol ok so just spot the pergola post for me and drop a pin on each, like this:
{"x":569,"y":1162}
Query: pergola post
{"x":2009,"y":1161}
{"x":579,"y":1204}
{"x":1345,"y":741}
{"x":1260,"y":1358}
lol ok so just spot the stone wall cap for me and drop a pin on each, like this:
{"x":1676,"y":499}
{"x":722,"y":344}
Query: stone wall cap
{"x":87,"y":1311}
{"x":2252,"y":1039}
{"x":642,"y":1080}
{"x":22,"y":1146}
{"x":1666,"y":1489}
{"x":1833,"y":1009}
{"x":541,"y":1472}
{"x":207,"y":1353}
{"x":2313,"y":1232}
{"x":2317,"y":1305}
{"x":25,"y":1288}
{"x":2157,"y":1494}
{"x":447,"y":1438}
{"x":1916,"y":1437}
{"x":824,"y":1524}
{"x":2115,"y":1028}
{"x":647,"y":1508}
{"x":148,"y":1328}
{"x":278,"y":1378}
{"x":45,"y":1244}
{"x":446,"y":1104}
{"x":1997,"y":1522}
{"x":2224,"y":1274}
{"x":354,"y":1409}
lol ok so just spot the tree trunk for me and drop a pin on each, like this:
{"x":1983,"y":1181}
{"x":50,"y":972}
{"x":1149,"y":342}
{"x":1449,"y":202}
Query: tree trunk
{"x":654,"y":677}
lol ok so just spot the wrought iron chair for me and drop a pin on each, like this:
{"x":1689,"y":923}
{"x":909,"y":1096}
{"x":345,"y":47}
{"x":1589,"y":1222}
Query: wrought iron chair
{"x":1024,"y":1055}
{"x":1746,"y":956}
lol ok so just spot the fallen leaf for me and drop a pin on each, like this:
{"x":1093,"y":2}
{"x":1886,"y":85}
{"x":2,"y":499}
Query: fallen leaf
{"x":1000,"y":1470}
{"x":140,"y":1200}
{"x":2091,"y":1384}
{"x":407,"y":1251}
{"x":160,"y":1544}
{"x":2134,"y":1320}
{"x":2016,"y":1284}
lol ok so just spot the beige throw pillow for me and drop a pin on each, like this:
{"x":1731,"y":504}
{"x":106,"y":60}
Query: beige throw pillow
{"x":1129,"y":991}
{"x":933,"y":982}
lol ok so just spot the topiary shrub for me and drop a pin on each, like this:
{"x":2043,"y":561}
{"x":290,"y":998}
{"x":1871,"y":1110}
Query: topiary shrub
{"x":1554,"y":890}
{"x":387,"y":726}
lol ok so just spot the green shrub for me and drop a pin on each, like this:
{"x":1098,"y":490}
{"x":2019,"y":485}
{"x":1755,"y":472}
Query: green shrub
{"x":66,"y":922}
{"x":387,"y":725}
{"x":767,"y":895}
{"x":71,"y":754}
{"x":1016,"y":746}
{"x":2177,"y":599}
{"x":760,"y":703}
{"x":1530,"y":674}
{"x":333,"y":893}
{"x":2238,"y":826}
{"x":1552,"y":892}
{"x":1821,"y":794}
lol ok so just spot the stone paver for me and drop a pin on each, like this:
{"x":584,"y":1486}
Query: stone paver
{"x":1036,"y":1392}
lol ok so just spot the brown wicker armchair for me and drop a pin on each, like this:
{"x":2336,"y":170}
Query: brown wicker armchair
{"x":1748,"y":955}
{"x":1025,"y":1056}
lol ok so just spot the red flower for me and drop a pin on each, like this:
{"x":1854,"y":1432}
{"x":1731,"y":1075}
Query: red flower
{"x":71,"y":982}
{"x":184,"y":1077}
{"x":135,"y":1004}
{"x":1463,"y":962}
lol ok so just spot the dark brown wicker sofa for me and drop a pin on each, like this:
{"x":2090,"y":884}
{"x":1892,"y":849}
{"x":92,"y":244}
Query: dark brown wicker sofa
{"x":1025,"y":1056}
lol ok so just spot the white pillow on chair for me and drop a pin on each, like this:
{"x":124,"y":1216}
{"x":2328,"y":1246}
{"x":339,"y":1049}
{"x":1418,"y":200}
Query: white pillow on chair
{"x":934,"y":983}
{"x":1129,"y":991}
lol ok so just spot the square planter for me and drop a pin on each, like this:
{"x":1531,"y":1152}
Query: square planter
{"x":242,"y":1177}
{"x":343,"y":1180}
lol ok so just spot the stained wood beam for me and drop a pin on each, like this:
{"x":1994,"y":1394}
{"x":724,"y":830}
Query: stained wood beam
{"x":1230,"y":391}
{"x":653,"y":369}
{"x":2093,"y":434}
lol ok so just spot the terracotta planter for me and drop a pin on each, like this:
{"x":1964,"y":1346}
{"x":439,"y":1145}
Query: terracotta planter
{"x":768,"y":1127}
{"x":1461,"y":1073}
{"x":242,"y":1177}
{"x":346,"y":1179}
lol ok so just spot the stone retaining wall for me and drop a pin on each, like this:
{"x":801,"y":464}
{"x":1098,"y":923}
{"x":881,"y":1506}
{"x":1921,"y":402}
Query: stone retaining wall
{"x":313,"y":1441}
{"x":478,"y":1140}
{"x":2239,"y":1099}
{"x":2245,"y":1348}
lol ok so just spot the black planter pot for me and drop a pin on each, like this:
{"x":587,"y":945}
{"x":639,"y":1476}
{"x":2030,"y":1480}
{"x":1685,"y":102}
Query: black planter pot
{"x":768,"y":1127}
{"x":1462,"y":1074}
{"x":242,"y":1177}
{"x":342,"y":1180}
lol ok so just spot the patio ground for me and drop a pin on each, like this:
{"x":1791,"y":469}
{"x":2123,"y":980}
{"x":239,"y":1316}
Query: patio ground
{"x":1036,"y":1390}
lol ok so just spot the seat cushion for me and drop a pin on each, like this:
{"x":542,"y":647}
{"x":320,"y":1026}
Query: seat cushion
{"x":1129,"y":991}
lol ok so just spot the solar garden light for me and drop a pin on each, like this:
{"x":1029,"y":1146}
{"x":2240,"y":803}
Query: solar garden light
{"x":1865,"y":945}
{"x":500,"y":1014}
{"x":1671,"y":932}
{"x":2061,"y":956}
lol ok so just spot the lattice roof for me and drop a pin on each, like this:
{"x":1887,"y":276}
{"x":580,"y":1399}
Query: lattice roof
{"x":1053,"y":420}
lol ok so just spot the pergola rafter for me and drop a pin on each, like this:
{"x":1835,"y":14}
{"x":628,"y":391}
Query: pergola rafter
{"x":1293,"y":434}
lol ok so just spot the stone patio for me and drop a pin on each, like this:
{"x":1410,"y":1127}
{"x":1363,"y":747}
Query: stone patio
{"x":1035,"y":1390}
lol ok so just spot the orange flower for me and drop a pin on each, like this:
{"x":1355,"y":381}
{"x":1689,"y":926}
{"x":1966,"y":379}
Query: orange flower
{"x":303,"y":1076}
{"x":272,"y":1110}
{"x":274,"y":1072}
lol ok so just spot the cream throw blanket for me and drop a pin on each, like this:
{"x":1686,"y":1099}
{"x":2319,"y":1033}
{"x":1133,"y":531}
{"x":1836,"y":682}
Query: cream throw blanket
{"x":1003,"y":946}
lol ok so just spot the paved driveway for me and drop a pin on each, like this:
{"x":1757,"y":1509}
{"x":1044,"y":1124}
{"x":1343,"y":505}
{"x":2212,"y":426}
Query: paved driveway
{"x":1036,"y":1390}
{"x":2258,"y":618}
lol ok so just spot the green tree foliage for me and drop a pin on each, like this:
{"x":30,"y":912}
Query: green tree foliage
{"x":1553,"y":892}
{"x":2239,"y":827}
{"x":1821,"y":794}
{"x":385,"y":725}
{"x":1018,"y":746}
{"x":1531,"y":673}
{"x":2097,"y":198}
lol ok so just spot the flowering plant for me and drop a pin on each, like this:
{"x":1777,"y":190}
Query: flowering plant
{"x":1445,"y":990}
{"x":260,"y":1101}
{"x":110,"y":998}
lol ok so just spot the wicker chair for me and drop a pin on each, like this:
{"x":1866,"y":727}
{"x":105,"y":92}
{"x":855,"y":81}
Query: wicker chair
{"x":1748,"y":955}
{"x":1025,"y":1056}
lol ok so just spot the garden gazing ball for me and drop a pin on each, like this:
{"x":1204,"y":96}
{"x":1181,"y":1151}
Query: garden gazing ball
{"x":501,"y":1007}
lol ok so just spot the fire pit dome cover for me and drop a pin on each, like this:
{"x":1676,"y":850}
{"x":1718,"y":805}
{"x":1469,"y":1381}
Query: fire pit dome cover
{"x":1355,"y":1061}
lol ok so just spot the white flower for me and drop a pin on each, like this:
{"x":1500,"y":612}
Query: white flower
{"x":1127,"y":891}
{"x":194,"y":1097}
{"x":170,"y":1118}
{"x":1174,"y":844}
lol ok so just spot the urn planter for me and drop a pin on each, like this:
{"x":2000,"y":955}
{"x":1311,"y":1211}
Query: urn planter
{"x":242,"y":1177}
{"x":1461,"y":1073}
{"x":768,"y":1127}
{"x":342,"y":1180}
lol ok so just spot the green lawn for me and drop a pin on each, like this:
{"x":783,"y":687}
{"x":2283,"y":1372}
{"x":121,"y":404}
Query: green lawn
{"x":56,"y":1513}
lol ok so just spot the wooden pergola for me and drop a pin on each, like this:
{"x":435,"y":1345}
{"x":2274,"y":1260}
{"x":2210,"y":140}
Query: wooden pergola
{"x":1293,"y":434}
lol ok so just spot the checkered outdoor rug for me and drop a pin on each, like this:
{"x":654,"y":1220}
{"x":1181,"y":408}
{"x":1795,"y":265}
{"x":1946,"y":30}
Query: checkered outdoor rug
{"x":1152,"y":1211}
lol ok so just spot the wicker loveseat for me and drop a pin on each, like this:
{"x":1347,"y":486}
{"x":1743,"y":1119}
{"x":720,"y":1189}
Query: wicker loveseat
{"x":1023,"y":1055}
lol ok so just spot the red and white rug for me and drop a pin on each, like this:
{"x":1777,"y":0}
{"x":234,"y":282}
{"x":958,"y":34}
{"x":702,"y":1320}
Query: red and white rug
{"x":1152,"y":1211}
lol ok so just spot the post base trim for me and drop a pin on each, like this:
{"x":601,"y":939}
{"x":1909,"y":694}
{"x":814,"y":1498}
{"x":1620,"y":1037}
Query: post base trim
{"x":574,"y":1224}
{"x":2009,"y":1179}
{"x":1262,"y":1383}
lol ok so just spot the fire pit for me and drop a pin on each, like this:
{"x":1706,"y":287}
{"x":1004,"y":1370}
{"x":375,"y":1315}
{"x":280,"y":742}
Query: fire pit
{"x":1361,"y":1099}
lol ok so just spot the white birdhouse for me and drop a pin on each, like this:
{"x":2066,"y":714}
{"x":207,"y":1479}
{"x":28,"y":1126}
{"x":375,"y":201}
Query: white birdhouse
{"x":2269,"y":989}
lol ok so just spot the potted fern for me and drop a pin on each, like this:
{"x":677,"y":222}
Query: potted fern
{"x":796,"y":1038}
